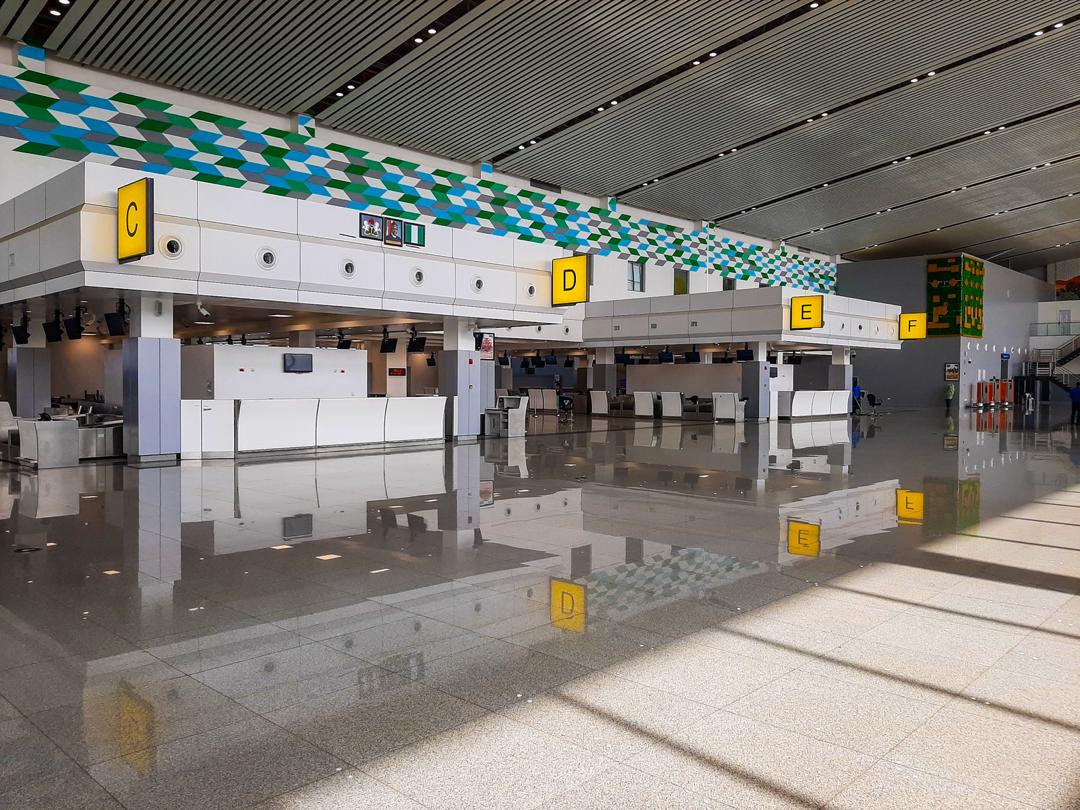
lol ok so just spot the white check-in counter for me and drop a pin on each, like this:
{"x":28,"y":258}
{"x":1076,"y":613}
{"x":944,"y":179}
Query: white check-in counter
{"x":805,"y":404}
{"x":223,"y":428}
{"x":644,"y":404}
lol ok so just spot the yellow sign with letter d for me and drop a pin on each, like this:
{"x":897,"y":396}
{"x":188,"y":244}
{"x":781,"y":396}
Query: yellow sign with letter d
{"x":570,"y":280}
{"x":567,"y":605}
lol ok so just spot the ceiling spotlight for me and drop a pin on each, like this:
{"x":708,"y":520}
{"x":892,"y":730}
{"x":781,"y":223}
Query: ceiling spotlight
{"x":932,"y":73}
{"x":1001,"y":128}
{"x":339,"y":94}
{"x":895,"y":162}
{"x":809,"y":120}
{"x":814,"y":5}
{"x":600,"y":108}
{"x":712,"y":54}
{"x":734,"y":149}
{"x":54,"y":12}
{"x":521,"y":147}
{"x":418,"y":40}
{"x":432,"y":31}
{"x":1045,"y":165}
{"x":825,"y":115}
{"x":614,"y":101}
{"x":696,"y":62}
{"x":826,"y":185}
{"x":350,"y":87}
{"x":1056,"y":25}
{"x":68,"y":3}
{"x":1039,"y":33}
{"x":987,"y":132}
{"x":532,"y":142}
{"x":915,"y":80}
{"x":908,"y":157}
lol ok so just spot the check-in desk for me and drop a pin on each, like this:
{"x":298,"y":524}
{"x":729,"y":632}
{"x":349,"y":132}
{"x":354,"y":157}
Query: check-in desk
{"x":727,"y":406}
{"x":221,"y":428}
{"x":507,"y":418}
{"x":48,"y":445}
{"x":645,"y":403}
{"x":676,"y":406}
{"x":806,"y":404}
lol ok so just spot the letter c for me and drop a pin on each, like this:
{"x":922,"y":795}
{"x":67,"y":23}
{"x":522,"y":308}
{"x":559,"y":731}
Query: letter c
{"x":131,"y":231}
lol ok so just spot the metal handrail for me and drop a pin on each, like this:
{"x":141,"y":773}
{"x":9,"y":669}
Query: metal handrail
{"x":1050,"y":329}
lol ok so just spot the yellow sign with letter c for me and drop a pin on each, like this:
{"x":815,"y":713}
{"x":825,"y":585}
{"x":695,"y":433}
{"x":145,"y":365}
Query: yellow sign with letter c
{"x":135,"y":220}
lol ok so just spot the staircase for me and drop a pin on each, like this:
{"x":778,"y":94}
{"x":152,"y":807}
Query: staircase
{"x":1051,"y":363}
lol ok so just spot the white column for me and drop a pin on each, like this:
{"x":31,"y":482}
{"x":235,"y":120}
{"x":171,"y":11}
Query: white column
{"x":151,"y":358}
{"x":398,"y":359}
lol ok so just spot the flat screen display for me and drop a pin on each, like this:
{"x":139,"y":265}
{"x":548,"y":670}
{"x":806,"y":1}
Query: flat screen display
{"x":395,"y":372}
{"x":297,"y":363}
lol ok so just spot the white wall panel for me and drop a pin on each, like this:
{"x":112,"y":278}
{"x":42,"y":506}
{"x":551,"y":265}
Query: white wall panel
{"x":247,"y":209}
{"x":498,"y":290}
{"x":60,"y":242}
{"x":230,"y":256}
{"x":536,"y":255}
{"x":323,"y":268}
{"x":534,"y":291}
{"x":30,"y":207}
{"x":437,"y":284}
{"x":483,"y":247}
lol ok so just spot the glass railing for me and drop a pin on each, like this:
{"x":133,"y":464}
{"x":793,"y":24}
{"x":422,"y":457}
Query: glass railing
{"x":1055,"y":329}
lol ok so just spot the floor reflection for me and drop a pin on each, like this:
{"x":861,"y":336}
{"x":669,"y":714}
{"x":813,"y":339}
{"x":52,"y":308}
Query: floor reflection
{"x":664,"y":606}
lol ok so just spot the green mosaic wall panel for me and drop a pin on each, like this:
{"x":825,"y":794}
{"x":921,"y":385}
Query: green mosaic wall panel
{"x":943,"y":296}
{"x":972,"y":287}
{"x":48,"y":115}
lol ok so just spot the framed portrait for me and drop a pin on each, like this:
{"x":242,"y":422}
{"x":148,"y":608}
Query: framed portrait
{"x":414,"y":234}
{"x":371,"y":227}
{"x":952,"y":372}
{"x":392,"y":232}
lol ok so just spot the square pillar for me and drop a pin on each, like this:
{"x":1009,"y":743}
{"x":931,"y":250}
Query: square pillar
{"x":464,"y":378}
{"x":151,"y":364}
{"x":29,"y":380}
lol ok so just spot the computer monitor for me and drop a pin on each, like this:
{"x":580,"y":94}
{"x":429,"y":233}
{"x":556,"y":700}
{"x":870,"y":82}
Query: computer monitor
{"x":53,"y":331}
{"x":743,"y":355}
{"x":116,"y":323}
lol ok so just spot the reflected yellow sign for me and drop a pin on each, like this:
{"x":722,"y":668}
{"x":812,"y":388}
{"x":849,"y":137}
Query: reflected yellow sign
{"x":913,"y":326}
{"x":136,"y":730}
{"x":570,"y":280}
{"x":567,"y":605}
{"x":803,"y":539}
{"x":135,"y":220}
{"x":808,"y":312}
{"x":909,"y":506}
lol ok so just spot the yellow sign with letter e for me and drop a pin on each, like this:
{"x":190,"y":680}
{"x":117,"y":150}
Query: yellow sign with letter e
{"x":913,"y":326}
{"x":808,"y":312}
{"x":803,"y":539}
{"x":570,"y":280}
{"x":909,"y":506}
{"x":567,"y":605}
{"x":135,"y":220}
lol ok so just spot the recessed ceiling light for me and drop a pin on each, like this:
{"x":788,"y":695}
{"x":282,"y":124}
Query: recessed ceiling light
{"x":54,"y":12}
{"x":1039,"y":33}
{"x":328,"y":556}
{"x":279,"y":315}
{"x":825,"y":185}
{"x":600,"y":108}
{"x":418,"y":40}
{"x":432,"y":31}
{"x":908,"y":157}
{"x":814,"y":5}
{"x":734,"y":149}
{"x":521,"y":147}
{"x":696,"y":62}
{"x":987,"y":132}
{"x":1001,"y":128}
{"x":281,"y":547}
{"x":379,"y":571}
{"x":1045,"y":165}
{"x":614,"y":101}
{"x":1058,"y":25}
{"x":203,"y":323}
{"x":895,"y":162}
{"x":809,"y":120}
{"x":110,"y":573}
{"x":68,"y":3}
{"x":350,"y":87}
{"x":825,"y":115}
{"x":532,"y":142}
{"x":932,"y":73}
{"x":712,"y":54}
{"x":915,"y":80}
{"x":339,"y":94}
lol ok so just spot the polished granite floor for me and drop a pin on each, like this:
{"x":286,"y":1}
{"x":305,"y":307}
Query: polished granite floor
{"x":878,"y":614}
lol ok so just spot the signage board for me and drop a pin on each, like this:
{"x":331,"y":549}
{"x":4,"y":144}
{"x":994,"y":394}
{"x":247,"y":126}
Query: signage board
{"x":913,"y":326}
{"x":567,"y":605}
{"x":909,"y":506}
{"x":570,"y":280}
{"x":135,"y":220}
{"x":803,"y":539}
{"x":808,"y":312}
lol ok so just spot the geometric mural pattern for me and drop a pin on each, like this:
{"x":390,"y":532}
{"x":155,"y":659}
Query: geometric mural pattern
{"x":972,"y":290}
{"x":954,"y":296}
{"x":70,"y":120}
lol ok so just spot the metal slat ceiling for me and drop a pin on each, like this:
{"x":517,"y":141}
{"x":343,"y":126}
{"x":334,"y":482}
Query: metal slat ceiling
{"x":279,"y":55}
{"x":1038,"y":75}
{"x":811,"y":65}
{"x":917,"y":221}
{"x":525,"y":66}
{"x":1050,"y":138}
{"x":1034,"y":240}
{"x":1040,"y":258}
{"x":967,"y":235}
